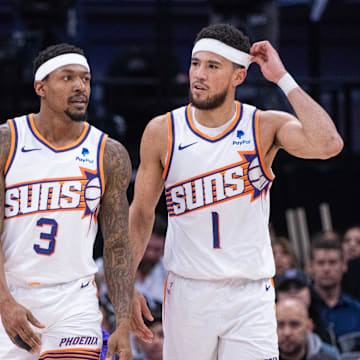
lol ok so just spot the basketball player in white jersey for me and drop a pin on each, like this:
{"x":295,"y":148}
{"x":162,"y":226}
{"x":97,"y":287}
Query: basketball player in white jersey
{"x":214,"y":159}
{"x":58,"y":174}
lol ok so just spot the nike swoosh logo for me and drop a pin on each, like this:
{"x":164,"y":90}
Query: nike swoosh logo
{"x":85,"y":285}
{"x":186,"y":146}
{"x":27,"y":150}
{"x":267,"y":287}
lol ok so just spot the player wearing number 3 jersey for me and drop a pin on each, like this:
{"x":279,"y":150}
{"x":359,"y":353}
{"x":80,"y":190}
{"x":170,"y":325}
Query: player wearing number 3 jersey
{"x":214,"y":157}
{"x":59,"y":176}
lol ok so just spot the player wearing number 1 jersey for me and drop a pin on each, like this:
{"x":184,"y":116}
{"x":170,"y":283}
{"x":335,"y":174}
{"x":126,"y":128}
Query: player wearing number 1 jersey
{"x":214,"y":157}
{"x":59,"y":176}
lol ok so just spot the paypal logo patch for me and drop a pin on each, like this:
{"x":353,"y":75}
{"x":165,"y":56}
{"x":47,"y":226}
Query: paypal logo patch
{"x":84,"y":152}
{"x":239,"y":135}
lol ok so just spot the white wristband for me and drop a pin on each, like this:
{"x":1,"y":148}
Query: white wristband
{"x":287,"y":83}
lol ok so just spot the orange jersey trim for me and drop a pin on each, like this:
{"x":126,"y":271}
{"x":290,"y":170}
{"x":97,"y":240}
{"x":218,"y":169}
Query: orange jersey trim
{"x":164,"y":297}
{"x":170,"y":146}
{"x":12,"y":146}
{"x":75,"y":143}
{"x":101,"y":163}
{"x":77,"y":353}
{"x":257,"y":137}
{"x":226,"y":131}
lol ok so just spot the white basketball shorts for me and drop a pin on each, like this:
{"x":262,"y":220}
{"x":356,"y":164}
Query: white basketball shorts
{"x":219,"y":320}
{"x":70,"y":313}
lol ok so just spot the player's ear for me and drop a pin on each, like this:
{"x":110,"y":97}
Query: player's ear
{"x":39,"y":88}
{"x":239,"y":76}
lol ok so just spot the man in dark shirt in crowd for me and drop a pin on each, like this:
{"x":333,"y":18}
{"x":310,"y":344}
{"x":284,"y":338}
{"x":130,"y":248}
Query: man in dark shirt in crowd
{"x":340,"y":312}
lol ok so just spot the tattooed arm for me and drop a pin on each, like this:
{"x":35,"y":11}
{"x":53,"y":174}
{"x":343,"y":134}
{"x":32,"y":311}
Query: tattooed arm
{"x":16,"y":319}
{"x":118,"y":258}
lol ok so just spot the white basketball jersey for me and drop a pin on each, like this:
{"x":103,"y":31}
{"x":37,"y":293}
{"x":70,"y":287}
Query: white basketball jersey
{"x":217,"y":195}
{"x":51,"y":204}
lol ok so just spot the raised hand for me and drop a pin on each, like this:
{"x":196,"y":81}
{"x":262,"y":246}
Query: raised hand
{"x":268,"y":59}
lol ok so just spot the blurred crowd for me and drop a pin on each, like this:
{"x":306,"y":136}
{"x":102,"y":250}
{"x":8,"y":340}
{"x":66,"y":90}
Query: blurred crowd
{"x":318,"y":304}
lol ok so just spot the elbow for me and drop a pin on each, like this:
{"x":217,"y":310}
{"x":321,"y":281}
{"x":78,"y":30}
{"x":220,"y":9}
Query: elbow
{"x":333,"y":147}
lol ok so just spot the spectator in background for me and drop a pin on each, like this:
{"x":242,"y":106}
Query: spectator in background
{"x":329,"y":235}
{"x":340,"y":312}
{"x":296,"y":339}
{"x":284,"y":254}
{"x":351,"y":243}
{"x":351,"y":249}
{"x":151,"y":274}
{"x":294,"y":283}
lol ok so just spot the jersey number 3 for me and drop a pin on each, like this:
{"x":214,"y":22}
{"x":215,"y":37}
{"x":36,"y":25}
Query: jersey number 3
{"x":47,"y":236}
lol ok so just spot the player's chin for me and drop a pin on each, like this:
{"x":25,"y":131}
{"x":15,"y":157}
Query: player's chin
{"x":77,"y":115}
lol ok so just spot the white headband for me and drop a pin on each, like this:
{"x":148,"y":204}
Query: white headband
{"x":236,"y":56}
{"x":58,"y":61}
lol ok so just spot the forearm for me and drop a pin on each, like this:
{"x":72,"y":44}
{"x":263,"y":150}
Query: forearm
{"x":120,"y":274}
{"x":317,"y":125}
{"x":140,"y":229}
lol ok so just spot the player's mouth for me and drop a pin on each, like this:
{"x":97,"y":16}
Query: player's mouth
{"x":79,"y":101}
{"x":199,"y":87}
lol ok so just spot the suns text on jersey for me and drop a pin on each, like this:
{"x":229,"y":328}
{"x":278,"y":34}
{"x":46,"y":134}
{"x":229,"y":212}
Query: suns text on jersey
{"x":44,"y":196}
{"x":223,"y":184}
{"x":207,"y":189}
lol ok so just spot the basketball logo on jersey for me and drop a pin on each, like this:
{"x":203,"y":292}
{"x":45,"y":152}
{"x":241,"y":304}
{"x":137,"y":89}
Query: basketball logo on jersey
{"x":242,"y":178}
{"x":81,"y":193}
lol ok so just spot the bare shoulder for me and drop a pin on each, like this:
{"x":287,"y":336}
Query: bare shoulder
{"x":158,"y":126}
{"x":117,"y":164}
{"x":270,"y":121}
{"x":275,"y":117}
{"x":154,"y":142}
{"x":5,"y":143}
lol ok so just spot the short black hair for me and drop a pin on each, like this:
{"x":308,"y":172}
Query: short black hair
{"x":324,"y":244}
{"x":54,"y":50}
{"x":226,"y":33}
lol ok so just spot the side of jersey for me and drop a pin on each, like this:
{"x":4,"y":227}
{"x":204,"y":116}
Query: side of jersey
{"x":217,"y":195}
{"x":52,"y":198}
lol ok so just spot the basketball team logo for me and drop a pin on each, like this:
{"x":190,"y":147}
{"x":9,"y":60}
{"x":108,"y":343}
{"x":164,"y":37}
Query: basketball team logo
{"x":245,"y":177}
{"x":93,"y":194}
{"x":82,"y":193}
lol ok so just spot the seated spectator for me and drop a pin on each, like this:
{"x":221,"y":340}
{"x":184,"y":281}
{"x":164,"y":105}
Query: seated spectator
{"x":284,"y":255}
{"x":294,"y":283}
{"x":340,"y":312}
{"x":351,"y":249}
{"x":296,"y":340}
{"x":151,"y":274}
{"x":350,"y":281}
{"x":153,"y":350}
{"x":330,"y":235}
{"x":351,"y":243}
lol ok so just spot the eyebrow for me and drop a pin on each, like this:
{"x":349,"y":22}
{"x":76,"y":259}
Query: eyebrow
{"x":208,"y":61}
{"x":72,"y":71}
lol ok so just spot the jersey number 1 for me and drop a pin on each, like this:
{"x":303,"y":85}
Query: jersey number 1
{"x":216,"y":230}
{"x":48,"y":236}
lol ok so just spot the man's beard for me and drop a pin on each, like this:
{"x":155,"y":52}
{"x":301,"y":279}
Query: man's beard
{"x":76,"y":116}
{"x":211,"y":102}
{"x":295,"y":351}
